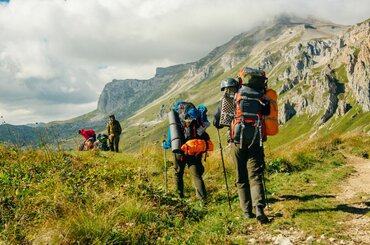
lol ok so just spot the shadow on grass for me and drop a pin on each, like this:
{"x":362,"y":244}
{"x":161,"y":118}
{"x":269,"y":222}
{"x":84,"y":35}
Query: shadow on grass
{"x":341,"y":207}
{"x":305,"y":197}
{"x":299,"y":198}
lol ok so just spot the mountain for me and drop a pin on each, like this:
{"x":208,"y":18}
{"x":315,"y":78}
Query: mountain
{"x":123,"y":97}
{"x":320,"y":70}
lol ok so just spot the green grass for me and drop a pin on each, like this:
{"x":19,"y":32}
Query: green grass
{"x":356,"y":52}
{"x":107,"y":198}
{"x":295,"y":130}
{"x":353,"y":121}
{"x":341,"y":74}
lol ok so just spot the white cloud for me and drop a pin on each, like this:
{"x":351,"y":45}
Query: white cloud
{"x":57,"y":55}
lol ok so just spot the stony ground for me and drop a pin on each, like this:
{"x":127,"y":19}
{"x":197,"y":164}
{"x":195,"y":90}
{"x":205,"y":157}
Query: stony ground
{"x":357,"y":187}
{"x":355,"y":197}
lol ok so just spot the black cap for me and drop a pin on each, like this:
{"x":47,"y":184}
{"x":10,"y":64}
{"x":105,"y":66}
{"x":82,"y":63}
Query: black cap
{"x":229,"y":82}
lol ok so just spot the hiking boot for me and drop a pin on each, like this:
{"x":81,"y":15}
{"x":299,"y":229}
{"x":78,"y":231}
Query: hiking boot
{"x":249,"y":215}
{"x":260,"y":215}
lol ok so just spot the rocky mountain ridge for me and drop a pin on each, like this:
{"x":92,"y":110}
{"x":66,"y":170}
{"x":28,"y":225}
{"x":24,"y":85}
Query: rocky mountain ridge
{"x":322,"y":70}
{"x":119,"y":97}
{"x":318,"y":68}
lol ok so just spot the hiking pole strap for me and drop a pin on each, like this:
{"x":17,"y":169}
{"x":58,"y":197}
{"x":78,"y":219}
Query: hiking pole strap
{"x":223,"y":167}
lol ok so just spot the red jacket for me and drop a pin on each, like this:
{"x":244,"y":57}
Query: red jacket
{"x":87,"y":133}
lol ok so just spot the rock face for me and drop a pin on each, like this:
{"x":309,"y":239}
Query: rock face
{"x":322,"y":73}
{"x":314,"y":72}
{"x":123,"y":97}
{"x":357,"y":42}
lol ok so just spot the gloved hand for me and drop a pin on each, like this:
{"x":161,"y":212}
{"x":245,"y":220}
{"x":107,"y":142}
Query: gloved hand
{"x":166,"y":145}
{"x":216,"y":123}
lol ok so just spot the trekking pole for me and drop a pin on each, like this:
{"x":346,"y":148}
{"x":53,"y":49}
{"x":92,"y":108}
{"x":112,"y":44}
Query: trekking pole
{"x":264,"y":187}
{"x":223,"y":166}
{"x":165,"y":166}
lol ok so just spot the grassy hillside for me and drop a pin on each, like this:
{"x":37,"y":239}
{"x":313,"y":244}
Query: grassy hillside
{"x":100,"y":197}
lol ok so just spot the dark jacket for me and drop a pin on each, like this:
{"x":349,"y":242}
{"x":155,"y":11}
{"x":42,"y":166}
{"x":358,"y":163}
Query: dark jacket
{"x":114,"y":128}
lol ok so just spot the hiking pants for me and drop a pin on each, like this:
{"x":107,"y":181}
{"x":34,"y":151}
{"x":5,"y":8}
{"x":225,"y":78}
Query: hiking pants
{"x":196,"y":169}
{"x":113,"y":143}
{"x":249,"y":164}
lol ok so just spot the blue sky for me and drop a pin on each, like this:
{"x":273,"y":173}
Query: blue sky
{"x":56,"y":55}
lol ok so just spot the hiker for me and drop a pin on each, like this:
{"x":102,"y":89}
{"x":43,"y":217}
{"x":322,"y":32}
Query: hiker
{"x":162,"y":112}
{"x":101,"y":142}
{"x":188,"y":140}
{"x":89,"y":136}
{"x":246,"y":135}
{"x":114,"y":131}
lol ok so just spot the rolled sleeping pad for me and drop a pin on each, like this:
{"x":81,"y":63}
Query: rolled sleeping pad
{"x":177,"y":136}
{"x":227,"y":110}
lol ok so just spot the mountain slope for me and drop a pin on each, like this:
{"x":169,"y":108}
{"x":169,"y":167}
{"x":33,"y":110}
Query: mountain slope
{"x":320,"y":70}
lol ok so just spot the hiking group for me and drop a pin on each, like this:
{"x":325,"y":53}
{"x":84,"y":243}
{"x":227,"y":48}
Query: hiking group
{"x":248,"y":109}
{"x":103,"y":142}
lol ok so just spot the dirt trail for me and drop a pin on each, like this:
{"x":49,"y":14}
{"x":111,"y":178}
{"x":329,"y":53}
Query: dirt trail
{"x":355,"y":197}
{"x":359,"y":182}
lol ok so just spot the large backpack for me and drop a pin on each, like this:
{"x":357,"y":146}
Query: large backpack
{"x":247,"y":127}
{"x":190,"y":119}
{"x":251,"y":123}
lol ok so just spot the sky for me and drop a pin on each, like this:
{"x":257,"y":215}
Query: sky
{"x":57,"y":55}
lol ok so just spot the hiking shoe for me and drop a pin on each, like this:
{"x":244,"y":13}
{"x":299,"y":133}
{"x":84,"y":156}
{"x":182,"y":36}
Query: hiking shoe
{"x":260,"y":215}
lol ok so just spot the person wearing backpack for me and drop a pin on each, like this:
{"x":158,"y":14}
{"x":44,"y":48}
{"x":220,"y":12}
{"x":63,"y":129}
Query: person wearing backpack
{"x":188,"y":140}
{"x":89,"y":136}
{"x":102,"y":142}
{"x":246,"y":135}
{"x":114,"y":131}
{"x":87,"y":133}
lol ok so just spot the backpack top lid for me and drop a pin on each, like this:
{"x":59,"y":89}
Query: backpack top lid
{"x":254,"y":78}
{"x":186,"y":111}
{"x":183,"y":105}
{"x":252,"y":72}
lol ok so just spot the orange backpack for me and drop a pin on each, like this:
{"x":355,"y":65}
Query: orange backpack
{"x":271,"y":120}
{"x":195,"y":147}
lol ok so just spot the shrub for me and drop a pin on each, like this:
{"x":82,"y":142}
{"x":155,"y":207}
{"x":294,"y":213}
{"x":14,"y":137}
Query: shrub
{"x":280,"y":165}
